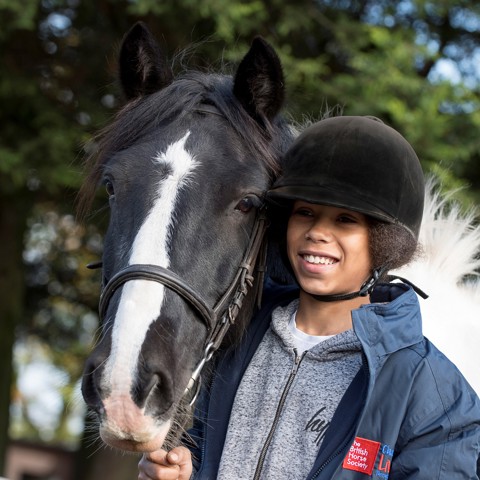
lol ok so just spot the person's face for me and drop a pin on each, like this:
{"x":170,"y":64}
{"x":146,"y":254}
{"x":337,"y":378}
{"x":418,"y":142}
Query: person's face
{"x":328,"y":248}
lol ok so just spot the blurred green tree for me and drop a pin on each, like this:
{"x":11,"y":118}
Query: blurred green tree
{"x":49,"y":100}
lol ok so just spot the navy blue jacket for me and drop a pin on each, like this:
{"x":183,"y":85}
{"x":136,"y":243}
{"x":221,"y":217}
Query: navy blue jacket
{"x":408,"y":413}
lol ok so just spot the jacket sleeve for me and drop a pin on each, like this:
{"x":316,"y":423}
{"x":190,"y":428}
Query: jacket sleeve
{"x":441,"y":438}
{"x":436,"y":455}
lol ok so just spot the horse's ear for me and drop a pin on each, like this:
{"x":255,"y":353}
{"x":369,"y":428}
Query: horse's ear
{"x":259,"y":82}
{"x":143,"y":68}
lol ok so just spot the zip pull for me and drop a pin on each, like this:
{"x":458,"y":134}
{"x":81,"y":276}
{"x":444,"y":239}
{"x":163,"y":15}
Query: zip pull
{"x":297,"y":360}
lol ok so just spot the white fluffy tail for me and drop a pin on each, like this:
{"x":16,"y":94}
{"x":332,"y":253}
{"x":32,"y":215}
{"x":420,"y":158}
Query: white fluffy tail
{"x":449,"y":273}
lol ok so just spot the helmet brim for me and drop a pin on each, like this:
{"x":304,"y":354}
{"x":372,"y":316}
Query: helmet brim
{"x":283,"y":196}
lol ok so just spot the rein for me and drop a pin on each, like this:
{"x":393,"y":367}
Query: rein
{"x":218,"y":318}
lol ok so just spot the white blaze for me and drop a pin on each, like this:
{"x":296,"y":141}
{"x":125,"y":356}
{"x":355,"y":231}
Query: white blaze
{"x":141,"y":300}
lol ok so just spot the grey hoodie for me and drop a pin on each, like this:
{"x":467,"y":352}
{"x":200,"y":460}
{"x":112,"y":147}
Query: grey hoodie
{"x":285,"y":403}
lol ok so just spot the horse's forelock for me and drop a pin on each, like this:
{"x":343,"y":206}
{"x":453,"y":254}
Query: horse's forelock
{"x":129,"y":124}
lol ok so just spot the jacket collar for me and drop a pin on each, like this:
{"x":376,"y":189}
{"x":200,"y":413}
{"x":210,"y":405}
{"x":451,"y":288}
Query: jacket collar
{"x":391,"y":322}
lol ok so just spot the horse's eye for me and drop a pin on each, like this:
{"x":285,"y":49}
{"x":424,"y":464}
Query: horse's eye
{"x":109,"y":188}
{"x":245,"y":204}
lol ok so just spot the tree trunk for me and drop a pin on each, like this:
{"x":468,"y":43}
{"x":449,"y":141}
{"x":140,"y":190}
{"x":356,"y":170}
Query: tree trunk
{"x":13,"y":216}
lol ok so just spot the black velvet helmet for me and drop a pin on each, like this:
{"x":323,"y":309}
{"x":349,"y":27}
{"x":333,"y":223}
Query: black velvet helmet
{"x":357,"y":163}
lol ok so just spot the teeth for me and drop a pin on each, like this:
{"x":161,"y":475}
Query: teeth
{"x":319,"y":260}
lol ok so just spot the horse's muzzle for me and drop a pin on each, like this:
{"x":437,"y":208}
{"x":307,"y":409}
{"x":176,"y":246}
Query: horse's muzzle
{"x":130,"y":414}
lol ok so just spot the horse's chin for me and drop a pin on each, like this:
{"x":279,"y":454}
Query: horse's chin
{"x":134,"y":441}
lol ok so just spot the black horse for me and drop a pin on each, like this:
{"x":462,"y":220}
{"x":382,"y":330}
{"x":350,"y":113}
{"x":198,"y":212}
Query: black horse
{"x":185,"y":164}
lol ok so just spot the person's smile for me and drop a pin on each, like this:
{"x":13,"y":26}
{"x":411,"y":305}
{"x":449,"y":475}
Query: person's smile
{"x":314,"y":261}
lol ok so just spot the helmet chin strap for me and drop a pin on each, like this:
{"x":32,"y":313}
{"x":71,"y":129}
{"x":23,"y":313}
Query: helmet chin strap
{"x":365,"y":289}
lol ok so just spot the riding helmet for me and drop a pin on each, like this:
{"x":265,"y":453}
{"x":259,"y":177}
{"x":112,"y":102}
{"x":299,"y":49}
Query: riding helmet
{"x":358,"y":163}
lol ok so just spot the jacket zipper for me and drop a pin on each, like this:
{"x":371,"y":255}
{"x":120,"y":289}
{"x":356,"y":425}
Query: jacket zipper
{"x":329,"y":459}
{"x":348,"y":440}
{"x":281,"y":403}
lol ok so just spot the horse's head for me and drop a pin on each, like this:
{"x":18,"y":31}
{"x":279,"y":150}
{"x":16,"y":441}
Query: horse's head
{"x":185,"y":165}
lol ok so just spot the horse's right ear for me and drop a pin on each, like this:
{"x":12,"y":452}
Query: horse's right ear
{"x":143,"y":68}
{"x":259,"y":82}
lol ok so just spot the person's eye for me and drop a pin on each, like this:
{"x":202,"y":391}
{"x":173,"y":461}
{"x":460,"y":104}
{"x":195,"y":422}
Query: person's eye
{"x":347,"y":219}
{"x":302,"y":212}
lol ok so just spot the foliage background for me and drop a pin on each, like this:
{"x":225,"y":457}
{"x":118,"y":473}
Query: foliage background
{"x":413,"y":63}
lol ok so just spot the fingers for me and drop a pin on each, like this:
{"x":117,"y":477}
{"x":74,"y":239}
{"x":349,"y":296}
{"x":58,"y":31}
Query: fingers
{"x":181,"y":457}
{"x":162,"y":465}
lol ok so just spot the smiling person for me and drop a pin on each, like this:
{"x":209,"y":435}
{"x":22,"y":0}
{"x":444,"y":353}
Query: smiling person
{"x":334,"y":378}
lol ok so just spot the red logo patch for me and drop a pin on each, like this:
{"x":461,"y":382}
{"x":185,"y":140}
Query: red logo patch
{"x":361,"y":456}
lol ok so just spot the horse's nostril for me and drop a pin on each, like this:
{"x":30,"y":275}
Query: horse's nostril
{"x":155,"y":381}
{"x":90,"y":388}
{"x":153,"y":390}
{"x":145,"y":386}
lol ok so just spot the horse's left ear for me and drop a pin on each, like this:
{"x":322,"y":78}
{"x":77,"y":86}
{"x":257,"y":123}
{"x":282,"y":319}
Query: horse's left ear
{"x":143,"y":67}
{"x":259,"y":82}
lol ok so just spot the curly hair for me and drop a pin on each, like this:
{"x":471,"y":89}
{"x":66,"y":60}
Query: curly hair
{"x":390,"y":245}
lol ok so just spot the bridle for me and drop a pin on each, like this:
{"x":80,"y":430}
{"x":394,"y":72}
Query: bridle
{"x":218,"y":318}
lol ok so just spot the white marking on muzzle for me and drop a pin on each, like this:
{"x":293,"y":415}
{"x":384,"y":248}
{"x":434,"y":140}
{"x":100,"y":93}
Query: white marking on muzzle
{"x":140,"y":302}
